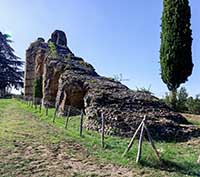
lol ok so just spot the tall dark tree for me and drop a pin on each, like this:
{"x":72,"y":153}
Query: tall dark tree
{"x":11,"y":74}
{"x":176,"y":41}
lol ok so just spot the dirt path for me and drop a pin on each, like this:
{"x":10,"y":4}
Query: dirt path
{"x":29,"y":147}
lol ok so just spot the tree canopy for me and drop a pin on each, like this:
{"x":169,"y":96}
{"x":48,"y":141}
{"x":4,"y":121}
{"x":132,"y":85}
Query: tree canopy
{"x":176,"y":41}
{"x":11,"y":74}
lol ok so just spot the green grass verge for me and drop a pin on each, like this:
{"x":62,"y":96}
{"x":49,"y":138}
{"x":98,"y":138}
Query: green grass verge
{"x":178,"y":159}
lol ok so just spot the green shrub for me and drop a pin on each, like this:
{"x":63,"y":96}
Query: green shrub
{"x":37,"y":88}
{"x":193,"y":105}
{"x":144,"y":90}
{"x":183,"y":102}
{"x":52,"y":49}
{"x":182,"y":97}
{"x":68,"y":57}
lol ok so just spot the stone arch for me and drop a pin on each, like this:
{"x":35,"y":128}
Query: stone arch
{"x":50,"y":83}
{"x":73,"y":95}
{"x":54,"y":86}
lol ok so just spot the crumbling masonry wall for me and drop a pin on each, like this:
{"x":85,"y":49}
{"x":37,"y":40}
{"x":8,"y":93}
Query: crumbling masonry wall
{"x":38,"y":65}
{"x":35,"y":55}
{"x":70,"y":81}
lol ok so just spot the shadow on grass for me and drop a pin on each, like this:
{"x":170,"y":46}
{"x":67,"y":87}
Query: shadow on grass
{"x":170,"y":166}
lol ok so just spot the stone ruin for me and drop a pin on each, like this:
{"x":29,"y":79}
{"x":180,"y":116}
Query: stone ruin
{"x":70,"y":81}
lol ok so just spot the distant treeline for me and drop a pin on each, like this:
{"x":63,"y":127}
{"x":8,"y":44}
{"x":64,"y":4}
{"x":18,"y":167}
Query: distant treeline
{"x":184,"y":102}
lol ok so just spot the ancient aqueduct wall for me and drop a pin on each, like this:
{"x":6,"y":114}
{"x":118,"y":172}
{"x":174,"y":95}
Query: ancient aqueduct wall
{"x":69,"y":80}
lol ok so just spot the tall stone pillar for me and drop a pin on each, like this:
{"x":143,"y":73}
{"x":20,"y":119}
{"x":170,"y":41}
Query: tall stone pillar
{"x":34,"y":64}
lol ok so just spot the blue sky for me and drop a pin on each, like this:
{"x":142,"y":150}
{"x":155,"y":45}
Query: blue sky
{"x":115,"y":36}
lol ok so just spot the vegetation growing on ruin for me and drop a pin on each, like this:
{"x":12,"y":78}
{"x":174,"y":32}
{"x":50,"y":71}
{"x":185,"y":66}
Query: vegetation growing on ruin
{"x":85,"y":64}
{"x":37,"y":88}
{"x":110,"y":78}
{"x":52,"y":48}
{"x":68,"y":57}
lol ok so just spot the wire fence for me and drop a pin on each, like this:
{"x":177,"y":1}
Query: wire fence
{"x":68,"y":111}
{"x":71,"y":110}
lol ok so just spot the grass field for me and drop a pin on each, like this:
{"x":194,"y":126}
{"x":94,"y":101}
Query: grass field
{"x":31,"y":145}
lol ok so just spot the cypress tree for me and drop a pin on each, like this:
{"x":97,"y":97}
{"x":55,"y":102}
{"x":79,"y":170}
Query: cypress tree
{"x":176,"y":41}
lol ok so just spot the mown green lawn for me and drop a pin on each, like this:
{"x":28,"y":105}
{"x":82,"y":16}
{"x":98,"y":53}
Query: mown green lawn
{"x":178,"y":159}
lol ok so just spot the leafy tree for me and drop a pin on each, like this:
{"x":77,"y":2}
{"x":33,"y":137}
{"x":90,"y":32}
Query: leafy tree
{"x":37,"y":89}
{"x":193,"y":105}
{"x":11,"y":74}
{"x":175,"y":51}
{"x":182,"y":99}
{"x":184,"y":103}
{"x":166,"y":99}
{"x":182,"y":94}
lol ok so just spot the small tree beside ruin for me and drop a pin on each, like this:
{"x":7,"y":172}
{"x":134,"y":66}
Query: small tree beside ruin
{"x":37,"y":89}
